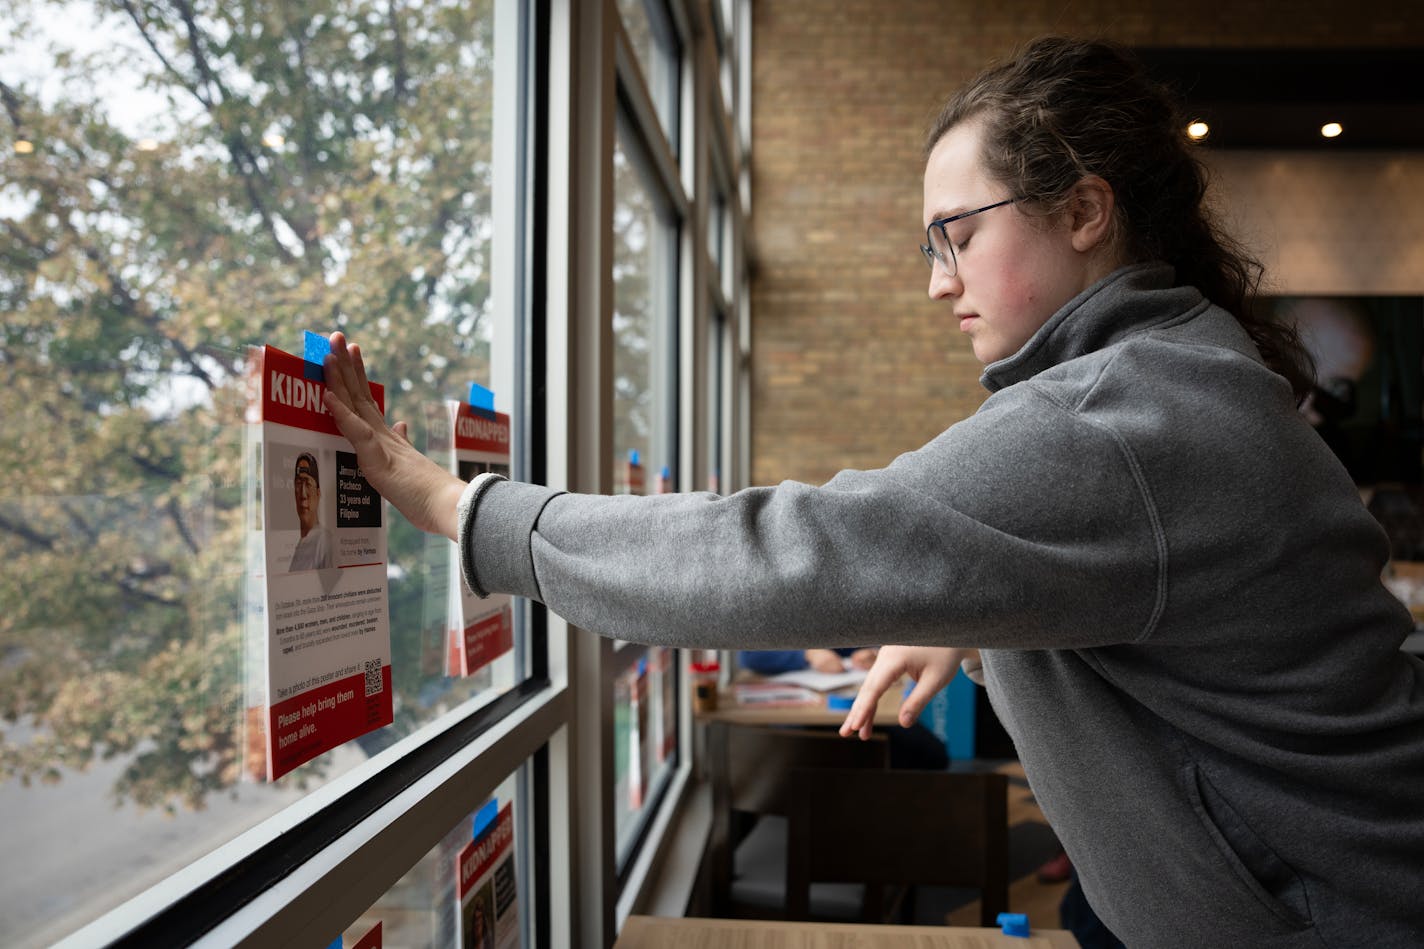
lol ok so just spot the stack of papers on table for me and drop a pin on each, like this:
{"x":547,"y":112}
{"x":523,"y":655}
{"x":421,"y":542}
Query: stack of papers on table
{"x":771,"y":693}
{"x":820,"y":681}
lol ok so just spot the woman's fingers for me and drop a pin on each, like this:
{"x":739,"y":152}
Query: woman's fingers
{"x":882,"y":675}
{"x":337,"y":370}
{"x":915,"y":702}
{"x":364,"y":400}
{"x":931,"y":668}
{"x":345,"y":376}
{"x":861,"y":717}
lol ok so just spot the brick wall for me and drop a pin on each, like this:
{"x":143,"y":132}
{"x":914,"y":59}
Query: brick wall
{"x":852,"y":364}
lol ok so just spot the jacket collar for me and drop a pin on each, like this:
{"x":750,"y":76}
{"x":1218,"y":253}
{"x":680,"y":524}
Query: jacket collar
{"x":1127,"y":301}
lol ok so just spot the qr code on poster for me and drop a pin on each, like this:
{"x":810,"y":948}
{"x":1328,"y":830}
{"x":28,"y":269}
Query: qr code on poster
{"x":373,"y":677}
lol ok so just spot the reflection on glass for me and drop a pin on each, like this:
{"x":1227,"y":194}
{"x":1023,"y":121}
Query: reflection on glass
{"x":644,"y":741}
{"x":716,"y":236}
{"x":716,"y":417}
{"x":195,"y":187}
{"x":655,"y":46}
{"x":467,"y":891}
{"x":643,"y":334}
{"x":725,"y":37}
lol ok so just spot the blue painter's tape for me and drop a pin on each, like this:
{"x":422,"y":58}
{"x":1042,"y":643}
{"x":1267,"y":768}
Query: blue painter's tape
{"x":315,"y":348}
{"x":481,"y":399}
{"x":485,"y":816}
{"x":1014,"y":924}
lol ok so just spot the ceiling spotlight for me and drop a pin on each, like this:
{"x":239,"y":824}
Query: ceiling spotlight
{"x":273,"y":140}
{"x":1331,"y":129}
{"x":1197,"y":130}
{"x":24,"y":146}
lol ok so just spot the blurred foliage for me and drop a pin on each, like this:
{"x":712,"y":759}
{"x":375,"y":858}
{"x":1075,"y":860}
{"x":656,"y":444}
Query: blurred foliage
{"x":644,"y":339}
{"x":315,"y":165}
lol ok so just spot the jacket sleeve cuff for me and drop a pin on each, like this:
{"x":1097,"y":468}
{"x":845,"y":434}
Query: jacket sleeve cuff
{"x":496,"y":519}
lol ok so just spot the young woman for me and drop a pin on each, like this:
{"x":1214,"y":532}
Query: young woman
{"x":1173,"y":583}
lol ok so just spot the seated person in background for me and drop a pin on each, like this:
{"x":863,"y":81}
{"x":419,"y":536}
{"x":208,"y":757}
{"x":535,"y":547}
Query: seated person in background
{"x":915,"y":747}
{"x":770,"y":662}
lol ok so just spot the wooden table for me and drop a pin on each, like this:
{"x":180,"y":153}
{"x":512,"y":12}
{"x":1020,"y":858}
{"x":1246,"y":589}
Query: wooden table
{"x":722,"y":725}
{"x":657,"y":932}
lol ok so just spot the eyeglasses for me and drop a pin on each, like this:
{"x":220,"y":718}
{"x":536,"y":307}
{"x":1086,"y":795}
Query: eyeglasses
{"x":940,"y":247}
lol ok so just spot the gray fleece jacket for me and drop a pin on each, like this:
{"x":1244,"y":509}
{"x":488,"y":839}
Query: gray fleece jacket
{"x":1175,"y":584}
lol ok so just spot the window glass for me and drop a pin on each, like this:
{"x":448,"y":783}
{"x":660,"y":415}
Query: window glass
{"x":644,"y":741}
{"x":716,"y":395}
{"x":173,"y":190}
{"x":471,"y":889}
{"x":644,"y":443}
{"x":717,"y":236}
{"x":725,"y":38}
{"x":656,"y":48}
{"x":644,"y":384}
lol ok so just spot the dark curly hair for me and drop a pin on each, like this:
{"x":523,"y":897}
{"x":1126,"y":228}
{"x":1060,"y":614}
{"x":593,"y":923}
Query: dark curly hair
{"x":1063,"y":109}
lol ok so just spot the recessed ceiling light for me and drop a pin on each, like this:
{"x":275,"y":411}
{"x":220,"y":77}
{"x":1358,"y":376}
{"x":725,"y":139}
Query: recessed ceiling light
{"x":24,"y":147}
{"x":1197,"y":130}
{"x":1331,"y":129}
{"x":273,"y":140}
{"x":147,"y":144}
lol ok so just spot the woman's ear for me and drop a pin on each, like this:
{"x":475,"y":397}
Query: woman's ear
{"x":1091,"y":212}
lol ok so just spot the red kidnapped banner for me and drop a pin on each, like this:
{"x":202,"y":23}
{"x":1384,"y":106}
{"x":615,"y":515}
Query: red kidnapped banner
{"x":485,"y":851}
{"x":481,"y":431}
{"x":290,"y":398}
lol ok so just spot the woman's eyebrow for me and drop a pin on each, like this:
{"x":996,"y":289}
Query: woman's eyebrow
{"x":941,"y":215}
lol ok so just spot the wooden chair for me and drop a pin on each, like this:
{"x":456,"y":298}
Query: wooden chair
{"x":752,"y":768}
{"x":899,"y":828}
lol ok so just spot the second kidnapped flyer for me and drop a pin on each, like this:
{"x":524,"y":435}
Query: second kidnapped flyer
{"x":480,"y":630}
{"x":326,"y":643}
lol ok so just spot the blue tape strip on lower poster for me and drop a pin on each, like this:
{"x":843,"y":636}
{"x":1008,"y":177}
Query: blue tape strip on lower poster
{"x":481,"y":400}
{"x":485,"y":816}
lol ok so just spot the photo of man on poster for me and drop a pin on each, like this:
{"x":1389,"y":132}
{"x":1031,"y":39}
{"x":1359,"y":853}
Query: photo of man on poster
{"x":479,"y":920}
{"x":317,"y":547}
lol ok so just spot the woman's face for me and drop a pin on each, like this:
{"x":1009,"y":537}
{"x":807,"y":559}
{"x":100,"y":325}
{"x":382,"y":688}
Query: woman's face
{"x":1014,"y":272}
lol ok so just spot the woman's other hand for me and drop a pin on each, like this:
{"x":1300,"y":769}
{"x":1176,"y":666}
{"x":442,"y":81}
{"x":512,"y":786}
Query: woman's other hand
{"x":931,"y":668}
{"x":419,"y":488}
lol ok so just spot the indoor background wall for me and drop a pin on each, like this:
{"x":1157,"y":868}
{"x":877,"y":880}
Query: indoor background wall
{"x":852,"y":364}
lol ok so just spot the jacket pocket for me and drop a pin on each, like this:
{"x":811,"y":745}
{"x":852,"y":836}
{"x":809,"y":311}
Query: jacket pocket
{"x":1264,"y":874}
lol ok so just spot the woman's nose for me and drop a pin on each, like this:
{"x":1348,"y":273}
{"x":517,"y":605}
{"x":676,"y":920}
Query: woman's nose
{"x":943,"y":285}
